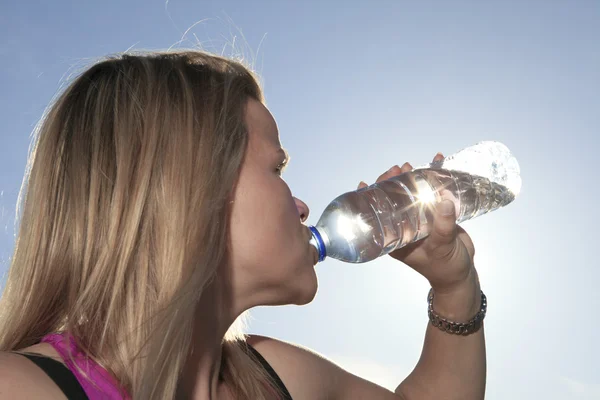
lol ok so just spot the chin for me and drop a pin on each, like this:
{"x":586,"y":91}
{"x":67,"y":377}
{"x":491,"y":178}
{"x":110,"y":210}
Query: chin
{"x":297,"y":287}
{"x":306,"y":293}
{"x":301,"y":291}
{"x":305,"y":297}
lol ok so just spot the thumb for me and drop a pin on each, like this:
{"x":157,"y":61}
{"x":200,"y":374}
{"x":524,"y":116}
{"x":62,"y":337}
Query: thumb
{"x":442,"y":238}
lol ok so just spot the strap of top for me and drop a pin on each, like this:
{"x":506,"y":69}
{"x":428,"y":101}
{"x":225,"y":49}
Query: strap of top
{"x":271,"y":371}
{"x":66,"y":381}
{"x":96,"y":381}
{"x":60,"y":374}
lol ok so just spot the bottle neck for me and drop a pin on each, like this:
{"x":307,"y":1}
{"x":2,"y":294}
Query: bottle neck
{"x":317,"y":242}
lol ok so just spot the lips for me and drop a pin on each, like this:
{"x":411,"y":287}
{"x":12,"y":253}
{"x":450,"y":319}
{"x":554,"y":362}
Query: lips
{"x":312,"y":248}
{"x":315,"y":255}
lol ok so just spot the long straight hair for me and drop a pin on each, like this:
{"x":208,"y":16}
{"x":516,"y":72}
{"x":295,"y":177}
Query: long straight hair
{"x":125,"y":211}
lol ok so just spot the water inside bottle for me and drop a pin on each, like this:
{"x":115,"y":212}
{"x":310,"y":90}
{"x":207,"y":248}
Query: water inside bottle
{"x":363,"y":225}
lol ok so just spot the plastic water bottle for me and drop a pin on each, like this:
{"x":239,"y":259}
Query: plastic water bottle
{"x":362,"y":225}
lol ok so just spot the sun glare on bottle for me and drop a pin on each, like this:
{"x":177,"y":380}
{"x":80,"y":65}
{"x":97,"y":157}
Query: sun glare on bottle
{"x":425,"y":195}
{"x":346,"y":226}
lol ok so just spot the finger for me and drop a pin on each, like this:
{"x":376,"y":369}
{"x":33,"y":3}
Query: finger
{"x":362,"y":185}
{"x":438,"y":157}
{"x":442,"y":239}
{"x":406,"y":167}
{"x":395,"y":170}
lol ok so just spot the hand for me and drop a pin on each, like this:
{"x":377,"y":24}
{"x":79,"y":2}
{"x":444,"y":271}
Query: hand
{"x":445,"y":257}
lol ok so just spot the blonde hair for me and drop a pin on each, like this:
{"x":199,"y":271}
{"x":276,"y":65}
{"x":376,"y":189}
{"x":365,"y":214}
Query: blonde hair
{"x":125,"y":217}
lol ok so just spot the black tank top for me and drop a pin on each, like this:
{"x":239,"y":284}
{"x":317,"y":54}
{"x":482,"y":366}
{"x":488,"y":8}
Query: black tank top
{"x":66,"y":381}
{"x":271,"y":371}
{"x":60,"y":374}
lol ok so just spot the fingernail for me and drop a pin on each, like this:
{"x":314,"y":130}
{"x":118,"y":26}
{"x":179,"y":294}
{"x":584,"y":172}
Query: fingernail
{"x":439,"y":154}
{"x":446,"y":207}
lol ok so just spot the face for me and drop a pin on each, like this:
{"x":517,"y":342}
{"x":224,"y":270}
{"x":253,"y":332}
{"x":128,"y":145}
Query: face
{"x":271,"y":261}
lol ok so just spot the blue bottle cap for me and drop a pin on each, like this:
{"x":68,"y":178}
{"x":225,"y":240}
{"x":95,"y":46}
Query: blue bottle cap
{"x":318,"y":241}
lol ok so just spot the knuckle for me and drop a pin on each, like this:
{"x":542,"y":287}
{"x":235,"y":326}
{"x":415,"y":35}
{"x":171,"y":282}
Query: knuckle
{"x":446,"y":233}
{"x":443,"y":252}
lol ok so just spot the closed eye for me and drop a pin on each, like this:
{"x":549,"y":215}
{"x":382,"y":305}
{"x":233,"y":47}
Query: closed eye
{"x":281,"y":167}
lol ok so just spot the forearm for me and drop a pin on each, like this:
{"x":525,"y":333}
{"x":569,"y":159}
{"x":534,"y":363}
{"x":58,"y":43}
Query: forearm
{"x":451,"y":366}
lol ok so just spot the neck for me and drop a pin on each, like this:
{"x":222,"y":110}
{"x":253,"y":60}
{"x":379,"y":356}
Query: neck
{"x":200,"y":378}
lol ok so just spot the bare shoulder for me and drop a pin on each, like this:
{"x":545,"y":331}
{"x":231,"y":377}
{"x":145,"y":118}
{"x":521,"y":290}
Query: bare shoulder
{"x":309,"y":375}
{"x":20,"y":378}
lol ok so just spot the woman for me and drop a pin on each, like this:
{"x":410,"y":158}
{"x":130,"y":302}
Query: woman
{"x":154,"y":216}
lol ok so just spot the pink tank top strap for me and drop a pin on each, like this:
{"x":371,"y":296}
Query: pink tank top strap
{"x":100,"y":385}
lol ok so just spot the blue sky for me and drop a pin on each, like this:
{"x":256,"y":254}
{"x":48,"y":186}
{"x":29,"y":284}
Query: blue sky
{"x":357,"y":87}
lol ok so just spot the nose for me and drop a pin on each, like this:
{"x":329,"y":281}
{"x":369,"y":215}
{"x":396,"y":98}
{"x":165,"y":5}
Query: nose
{"x":302,"y":209}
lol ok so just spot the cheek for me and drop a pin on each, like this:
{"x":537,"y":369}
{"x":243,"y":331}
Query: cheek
{"x":266,"y":204}
{"x":265,"y":231}
{"x":257,"y":222}
{"x":268,"y":253}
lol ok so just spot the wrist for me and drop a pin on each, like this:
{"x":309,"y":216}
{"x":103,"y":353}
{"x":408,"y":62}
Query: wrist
{"x":462,"y":303}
